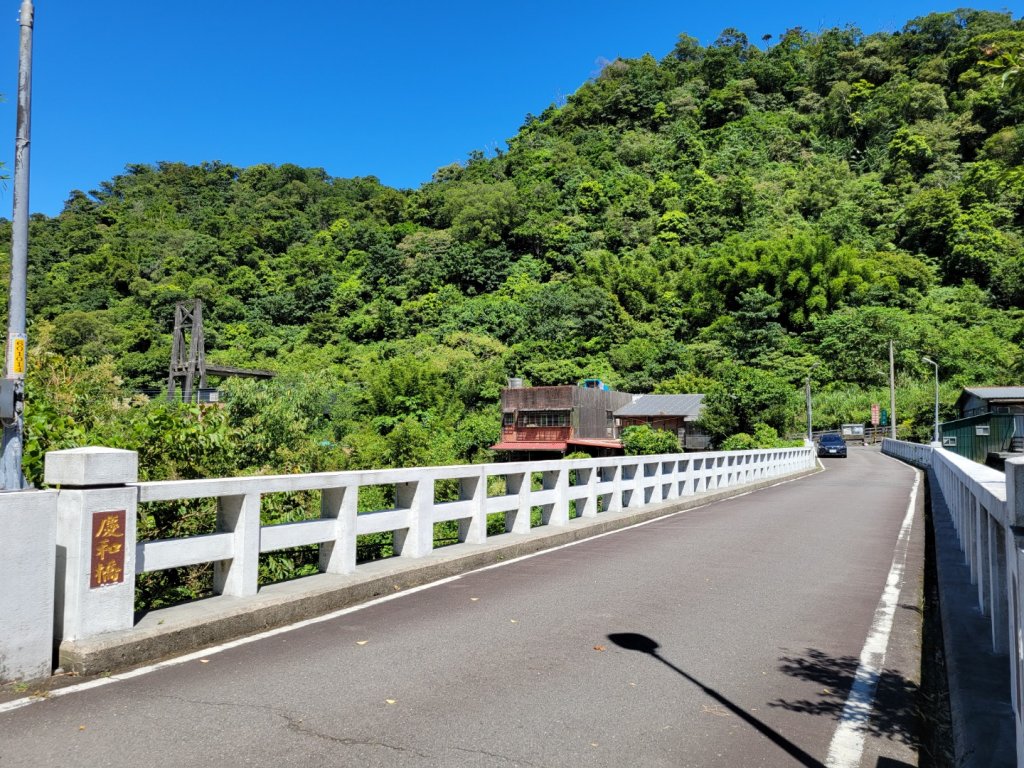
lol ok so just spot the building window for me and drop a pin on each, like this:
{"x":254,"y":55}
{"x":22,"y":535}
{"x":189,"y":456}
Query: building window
{"x":508,"y":418}
{"x":982,"y":429}
{"x":949,"y":442}
{"x":543,"y":419}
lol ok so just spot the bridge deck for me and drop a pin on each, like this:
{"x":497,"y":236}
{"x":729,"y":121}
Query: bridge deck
{"x":760,"y":606}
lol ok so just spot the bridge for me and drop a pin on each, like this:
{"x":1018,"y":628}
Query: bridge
{"x":707,"y":609}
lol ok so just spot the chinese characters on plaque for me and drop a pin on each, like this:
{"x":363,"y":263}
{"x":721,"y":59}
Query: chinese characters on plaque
{"x":107,"y":548}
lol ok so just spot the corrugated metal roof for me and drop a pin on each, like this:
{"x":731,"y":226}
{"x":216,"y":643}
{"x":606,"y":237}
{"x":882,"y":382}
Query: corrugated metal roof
{"x":997,"y":393}
{"x":664,"y":405}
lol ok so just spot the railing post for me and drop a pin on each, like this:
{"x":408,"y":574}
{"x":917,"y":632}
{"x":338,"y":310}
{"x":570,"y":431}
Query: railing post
{"x":998,"y":592}
{"x":981,"y":546}
{"x":557,"y":480}
{"x":239,"y":516}
{"x":656,"y":495}
{"x":418,"y":497}
{"x":590,"y":502}
{"x":473,"y":530}
{"x":1015,"y":638}
{"x":518,"y":484}
{"x":615,"y":497}
{"x":341,"y":504}
{"x":28,"y":528}
{"x":688,"y":478}
{"x":1015,"y":491}
{"x":95,"y":589}
{"x":636,"y":486}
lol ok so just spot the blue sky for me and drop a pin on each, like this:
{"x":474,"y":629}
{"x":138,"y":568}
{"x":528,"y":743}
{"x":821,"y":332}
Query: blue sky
{"x":391,"y":89}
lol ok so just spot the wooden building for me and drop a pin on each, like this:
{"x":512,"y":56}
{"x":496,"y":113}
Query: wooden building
{"x":546,"y":422}
{"x":673,"y":413}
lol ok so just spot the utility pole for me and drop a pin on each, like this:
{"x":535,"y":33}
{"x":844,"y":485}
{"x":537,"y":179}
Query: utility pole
{"x":936,"y":437}
{"x":807,"y":394}
{"x":892,"y":393}
{"x":12,"y":389}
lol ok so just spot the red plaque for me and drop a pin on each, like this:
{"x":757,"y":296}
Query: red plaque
{"x":107,"y":549}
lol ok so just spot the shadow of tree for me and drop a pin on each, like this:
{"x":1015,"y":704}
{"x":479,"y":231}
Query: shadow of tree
{"x":896,"y":713}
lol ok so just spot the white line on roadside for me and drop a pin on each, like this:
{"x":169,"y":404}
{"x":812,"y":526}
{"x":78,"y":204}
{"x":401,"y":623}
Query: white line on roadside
{"x":848,"y":741}
{"x":207,"y":652}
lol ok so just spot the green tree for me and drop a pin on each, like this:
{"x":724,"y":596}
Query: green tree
{"x":643,"y":441}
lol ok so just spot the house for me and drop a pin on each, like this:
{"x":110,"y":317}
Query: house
{"x":548,"y":422}
{"x":675,"y":413}
{"x":974,"y":401}
{"x":990,"y":426}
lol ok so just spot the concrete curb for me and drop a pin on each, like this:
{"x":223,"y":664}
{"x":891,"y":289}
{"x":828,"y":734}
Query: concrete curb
{"x":182,"y":629}
{"x":979,"y":680}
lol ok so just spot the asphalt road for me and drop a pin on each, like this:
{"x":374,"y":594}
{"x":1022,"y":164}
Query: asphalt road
{"x":759,"y":607}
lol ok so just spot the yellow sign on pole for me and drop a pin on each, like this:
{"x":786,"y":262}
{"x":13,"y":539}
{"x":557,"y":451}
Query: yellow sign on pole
{"x":16,"y":356}
{"x":19,"y":357}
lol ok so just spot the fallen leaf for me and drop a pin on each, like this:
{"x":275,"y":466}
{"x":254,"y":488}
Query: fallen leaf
{"x":390,"y":701}
{"x":362,"y":642}
{"x":513,"y":621}
{"x":474,"y":599}
{"x":396,"y":587}
{"x":81,"y":727}
{"x":204,"y":661}
{"x":633,"y":684}
{"x":599,"y":648}
{"x":594,"y":744}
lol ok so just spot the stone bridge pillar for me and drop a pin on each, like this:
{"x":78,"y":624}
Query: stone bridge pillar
{"x":28,"y":534}
{"x":95,"y":540}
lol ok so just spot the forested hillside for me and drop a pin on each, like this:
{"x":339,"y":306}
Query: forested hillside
{"x":722,"y":220}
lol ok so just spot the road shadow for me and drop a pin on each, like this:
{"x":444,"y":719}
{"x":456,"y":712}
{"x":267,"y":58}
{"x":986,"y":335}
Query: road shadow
{"x":632,"y":641}
{"x":895,"y":716}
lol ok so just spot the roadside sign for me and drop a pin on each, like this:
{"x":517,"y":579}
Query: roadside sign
{"x":875,"y":413}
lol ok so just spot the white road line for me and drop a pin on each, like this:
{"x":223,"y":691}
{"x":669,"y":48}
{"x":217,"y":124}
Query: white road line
{"x":207,"y":652}
{"x":848,"y":741}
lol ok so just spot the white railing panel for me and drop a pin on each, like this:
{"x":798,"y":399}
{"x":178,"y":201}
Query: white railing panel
{"x":452,"y":510}
{"x":297,"y":534}
{"x":382,"y":521}
{"x":179,"y":553}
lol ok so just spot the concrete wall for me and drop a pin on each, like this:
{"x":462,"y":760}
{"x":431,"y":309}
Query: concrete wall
{"x":28,"y":529}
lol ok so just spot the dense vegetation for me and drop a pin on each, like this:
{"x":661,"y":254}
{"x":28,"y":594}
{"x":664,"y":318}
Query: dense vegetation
{"x":725,"y":220}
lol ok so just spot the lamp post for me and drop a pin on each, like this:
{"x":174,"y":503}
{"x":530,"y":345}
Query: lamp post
{"x":929,"y":360}
{"x":807,"y":394}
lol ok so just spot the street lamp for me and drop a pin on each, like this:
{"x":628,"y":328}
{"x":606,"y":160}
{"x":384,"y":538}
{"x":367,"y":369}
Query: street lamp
{"x":929,"y":360}
{"x":807,"y":393}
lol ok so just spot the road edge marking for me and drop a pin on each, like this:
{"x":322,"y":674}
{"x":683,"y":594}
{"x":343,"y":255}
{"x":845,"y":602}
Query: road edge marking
{"x":847,"y":744}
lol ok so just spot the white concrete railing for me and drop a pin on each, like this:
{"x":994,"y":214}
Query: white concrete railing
{"x":98,"y":482}
{"x":987,"y":508}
